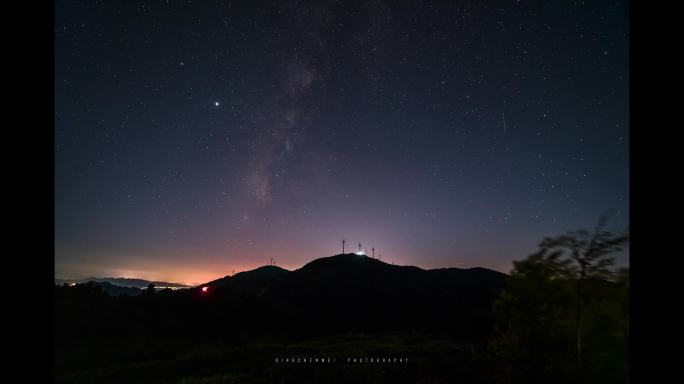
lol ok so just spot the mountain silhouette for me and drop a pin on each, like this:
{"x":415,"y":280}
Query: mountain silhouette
{"x":117,"y":290}
{"x":350,"y":292}
{"x":351,"y":271}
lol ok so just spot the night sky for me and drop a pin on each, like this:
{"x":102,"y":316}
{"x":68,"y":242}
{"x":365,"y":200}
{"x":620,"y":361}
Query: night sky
{"x":197,"y":138}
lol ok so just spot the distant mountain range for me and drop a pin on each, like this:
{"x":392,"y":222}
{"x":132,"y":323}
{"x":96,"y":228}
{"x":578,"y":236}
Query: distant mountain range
{"x":124,"y":282}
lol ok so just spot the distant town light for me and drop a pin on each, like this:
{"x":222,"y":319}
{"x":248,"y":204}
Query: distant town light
{"x":205,"y":289}
{"x":361,"y":253}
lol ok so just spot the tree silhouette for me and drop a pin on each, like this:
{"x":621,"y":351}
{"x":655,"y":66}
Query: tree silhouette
{"x":532,"y":314}
{"x":150,"y":290}
{"x":587,"y":256}
{"x":564,"y":293}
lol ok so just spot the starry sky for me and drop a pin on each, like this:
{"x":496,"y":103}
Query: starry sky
{"x":198,"y":138}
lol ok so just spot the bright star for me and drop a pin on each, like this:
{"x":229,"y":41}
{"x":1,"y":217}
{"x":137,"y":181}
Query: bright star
{"x":216,"y":103}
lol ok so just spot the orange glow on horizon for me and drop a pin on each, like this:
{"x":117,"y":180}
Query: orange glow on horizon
{"x":191,"y":275}
{"x":194,"y":269}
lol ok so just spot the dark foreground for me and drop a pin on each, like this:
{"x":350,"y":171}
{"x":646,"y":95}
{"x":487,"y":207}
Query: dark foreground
{"x":270,"y":325}
{"x":408,"y":359}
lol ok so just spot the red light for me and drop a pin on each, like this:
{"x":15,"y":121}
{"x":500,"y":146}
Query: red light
{"x":204,"y":289}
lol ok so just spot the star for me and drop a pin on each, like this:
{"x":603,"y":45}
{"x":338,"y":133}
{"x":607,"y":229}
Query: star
{"x":216,"y":103}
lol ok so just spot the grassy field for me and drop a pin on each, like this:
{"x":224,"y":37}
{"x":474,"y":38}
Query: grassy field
{"x":427,"y":360}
